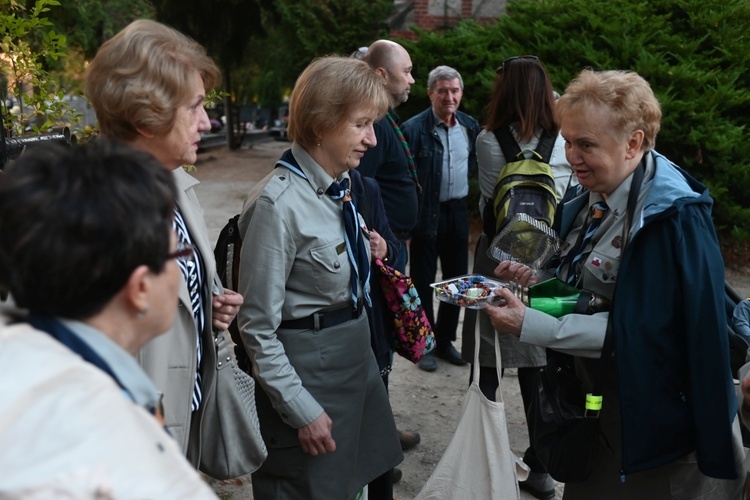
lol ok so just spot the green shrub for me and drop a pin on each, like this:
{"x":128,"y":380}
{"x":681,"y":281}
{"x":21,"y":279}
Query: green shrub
{"x":694,"y":53}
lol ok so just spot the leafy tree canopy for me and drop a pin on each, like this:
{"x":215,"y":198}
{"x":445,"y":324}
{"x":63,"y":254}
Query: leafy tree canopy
{"x":297,"y":35}
{"x":27,"y":40}
{"x":90,"y":23}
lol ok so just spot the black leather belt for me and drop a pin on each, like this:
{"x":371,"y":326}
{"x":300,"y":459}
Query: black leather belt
{"x":326,"y":319}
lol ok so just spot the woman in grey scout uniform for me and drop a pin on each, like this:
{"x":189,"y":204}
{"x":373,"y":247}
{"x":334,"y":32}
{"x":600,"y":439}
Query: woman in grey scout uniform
{"x":324,"y":412}
{"x":656,"y":256}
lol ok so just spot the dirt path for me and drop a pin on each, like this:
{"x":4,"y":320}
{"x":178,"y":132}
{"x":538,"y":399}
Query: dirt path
{"x":421,"y":401}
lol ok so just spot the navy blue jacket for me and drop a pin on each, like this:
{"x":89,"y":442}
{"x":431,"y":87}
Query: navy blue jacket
{"x":427,"y":150}
{"x":366,"y":197}
{"x":387,"y":164}
{"x":671,"y":349}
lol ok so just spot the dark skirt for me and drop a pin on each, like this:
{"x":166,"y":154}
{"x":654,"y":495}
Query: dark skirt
{"x":337,"y":366}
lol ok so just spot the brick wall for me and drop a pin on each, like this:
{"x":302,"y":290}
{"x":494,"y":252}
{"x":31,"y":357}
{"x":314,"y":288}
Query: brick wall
{"x":443,"y":14}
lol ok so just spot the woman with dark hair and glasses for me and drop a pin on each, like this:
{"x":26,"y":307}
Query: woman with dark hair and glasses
{"x":522,"y":104}
{"x":87,"y":249}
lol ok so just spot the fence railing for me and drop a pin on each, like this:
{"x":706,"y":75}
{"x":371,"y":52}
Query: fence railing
{"x":12,"y":147}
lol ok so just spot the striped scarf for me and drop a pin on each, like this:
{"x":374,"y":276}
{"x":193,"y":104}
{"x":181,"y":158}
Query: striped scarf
{"x":409,"y":158}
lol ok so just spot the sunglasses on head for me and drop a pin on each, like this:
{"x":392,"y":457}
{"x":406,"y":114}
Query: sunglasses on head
{"x":509,"y":60}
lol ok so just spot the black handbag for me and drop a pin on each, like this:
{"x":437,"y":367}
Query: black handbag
{"x":565,"y":435}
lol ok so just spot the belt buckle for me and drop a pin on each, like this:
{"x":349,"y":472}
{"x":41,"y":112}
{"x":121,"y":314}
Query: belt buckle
{"x":318,"y":323}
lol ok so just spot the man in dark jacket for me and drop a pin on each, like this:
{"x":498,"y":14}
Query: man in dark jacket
{"x":388,"y":162}
{"x":442,"y":141}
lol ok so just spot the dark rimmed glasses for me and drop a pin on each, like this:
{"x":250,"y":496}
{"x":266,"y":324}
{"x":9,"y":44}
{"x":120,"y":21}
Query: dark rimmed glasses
{"x":509,"y":60}
{"x":183,"y":253}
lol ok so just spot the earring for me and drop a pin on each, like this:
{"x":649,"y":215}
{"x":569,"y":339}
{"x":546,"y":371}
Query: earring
{"x":318,"y":143}
{"x":142,"y":312}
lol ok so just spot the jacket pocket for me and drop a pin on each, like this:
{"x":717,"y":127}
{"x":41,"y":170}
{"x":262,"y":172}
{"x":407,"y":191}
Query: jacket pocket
{"x":328,"y":262}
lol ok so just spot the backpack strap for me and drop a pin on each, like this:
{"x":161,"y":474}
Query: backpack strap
{"x":511,"y":149}
{"x":545,"y":146}
{"x":508,"y":144}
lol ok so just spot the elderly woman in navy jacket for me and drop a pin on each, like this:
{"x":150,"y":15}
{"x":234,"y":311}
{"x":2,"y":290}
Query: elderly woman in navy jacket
{"x":658,"y":259}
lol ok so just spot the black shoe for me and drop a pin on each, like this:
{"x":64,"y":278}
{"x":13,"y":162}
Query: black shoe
{"x":408,"y":439}
{"x":428,"y":363}
{"x":397,"y":475}
{"x":539,"y":484}
{"x":450,"y":354}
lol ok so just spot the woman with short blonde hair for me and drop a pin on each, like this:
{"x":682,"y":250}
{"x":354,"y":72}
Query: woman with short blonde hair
{"x":304,"y":272}
{"x":322,"y":99}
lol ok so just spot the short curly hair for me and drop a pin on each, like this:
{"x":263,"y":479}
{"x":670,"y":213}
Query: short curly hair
{"x":137,"y":79}
{"x":628,"y":96}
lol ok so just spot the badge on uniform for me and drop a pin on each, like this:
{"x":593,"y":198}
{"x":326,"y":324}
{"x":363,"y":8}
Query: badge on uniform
{"x":341,"y":248}
{"x":596,"y":262}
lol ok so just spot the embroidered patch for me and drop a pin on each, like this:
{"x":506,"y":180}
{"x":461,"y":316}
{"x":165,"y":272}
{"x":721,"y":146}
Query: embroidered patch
{"x":596,"y":262}
{"x":608,"y":266}
{"x":617,"y":241}
{"x":341,"y":248}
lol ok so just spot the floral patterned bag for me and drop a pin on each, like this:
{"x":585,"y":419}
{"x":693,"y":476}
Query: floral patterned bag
{"x":413,"y":336}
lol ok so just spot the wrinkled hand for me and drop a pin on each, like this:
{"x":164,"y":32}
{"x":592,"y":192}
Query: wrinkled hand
{"x":515,"y":271}
{"x":315,"y":437}
{"x":507,"y":318}
{"x":225,"y":308}
{"x":378,"y":246}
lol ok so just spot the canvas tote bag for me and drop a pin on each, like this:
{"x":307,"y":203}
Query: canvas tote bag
{"x":478,"y":462}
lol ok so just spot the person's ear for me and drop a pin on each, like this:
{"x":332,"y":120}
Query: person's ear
{"x":634,"y":144}
{"x":382,"y":72}
{"x":147,"y":134}
{"x":137,"y":288}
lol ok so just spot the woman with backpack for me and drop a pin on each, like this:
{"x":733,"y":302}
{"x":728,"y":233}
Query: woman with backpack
{"x":520,"y":111}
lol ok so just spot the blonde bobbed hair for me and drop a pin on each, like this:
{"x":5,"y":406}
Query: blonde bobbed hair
{"x":327,"y":92}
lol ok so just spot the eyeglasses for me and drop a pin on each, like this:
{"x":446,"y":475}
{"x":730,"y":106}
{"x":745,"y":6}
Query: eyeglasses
{"x":183,"y":253}
{"x":509,"y":60}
